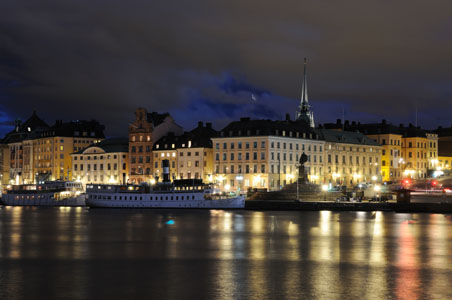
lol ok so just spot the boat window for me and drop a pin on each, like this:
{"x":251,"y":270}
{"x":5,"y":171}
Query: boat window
{"x":177,"y":197}
{"x":182,"y":197}
{"x":150,"y":198}
{"x":171,"y":197}
{"x":193,"y":197}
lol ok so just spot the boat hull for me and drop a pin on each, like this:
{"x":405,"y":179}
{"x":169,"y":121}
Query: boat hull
{"x":12,"y":200}
{"x":227,"y":203}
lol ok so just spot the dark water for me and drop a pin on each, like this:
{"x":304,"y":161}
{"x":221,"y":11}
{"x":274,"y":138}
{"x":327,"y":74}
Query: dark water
{"x":75,"y":253}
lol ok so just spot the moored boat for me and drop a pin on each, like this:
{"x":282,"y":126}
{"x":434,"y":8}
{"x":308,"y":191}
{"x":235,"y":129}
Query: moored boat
{"x":188,"y":193}
{"x":49,"y":193}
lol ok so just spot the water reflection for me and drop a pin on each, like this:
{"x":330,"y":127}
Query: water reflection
{"x":223,"y":254}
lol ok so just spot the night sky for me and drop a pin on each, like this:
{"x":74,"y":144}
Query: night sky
{"x":221,"y":60}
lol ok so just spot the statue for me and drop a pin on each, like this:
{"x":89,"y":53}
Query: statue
{"x":302,"y":178}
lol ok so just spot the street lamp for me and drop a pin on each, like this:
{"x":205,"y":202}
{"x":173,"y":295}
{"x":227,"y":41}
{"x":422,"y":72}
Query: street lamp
{"x":324,"y":189}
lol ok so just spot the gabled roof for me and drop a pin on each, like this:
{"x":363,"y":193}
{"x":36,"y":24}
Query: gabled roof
{"x":91,"y":129}
{"x":378,"y":128}
{"x":110,"y":145}
{"x":259,"y":127}
{"x":200,"y":137}
{"x":346,"y":137}
{"x":156,"y":118}
{"x":24,"y":130}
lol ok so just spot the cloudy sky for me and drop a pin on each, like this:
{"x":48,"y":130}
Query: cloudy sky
{"x":221,"y":60}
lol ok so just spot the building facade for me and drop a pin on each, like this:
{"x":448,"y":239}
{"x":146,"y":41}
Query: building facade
{"x":264,"y":154}
{"x":143,"y":132}
{"x":52,"y":148}
{"x":20,"y":149}
{"x":190,"y":154}
{"x":350,"y":158}
{"x":408,"y":151}
{"x":4,"y":166}
{"x":105,"y":162}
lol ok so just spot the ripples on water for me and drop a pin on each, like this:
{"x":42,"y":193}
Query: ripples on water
{"x":77,"y":253}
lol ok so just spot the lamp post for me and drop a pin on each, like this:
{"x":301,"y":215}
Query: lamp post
{"x":324,"y":189}
{"x":298,"y":177}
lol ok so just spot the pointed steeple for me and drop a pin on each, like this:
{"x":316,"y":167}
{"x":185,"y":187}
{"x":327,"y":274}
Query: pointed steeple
{"x":304,"y":109}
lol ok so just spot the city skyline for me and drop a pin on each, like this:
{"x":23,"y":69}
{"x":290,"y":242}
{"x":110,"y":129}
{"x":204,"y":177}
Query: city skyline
{"x":198,"y":64}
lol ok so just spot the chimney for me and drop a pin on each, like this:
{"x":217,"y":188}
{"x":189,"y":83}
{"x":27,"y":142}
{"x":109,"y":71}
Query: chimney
{"x":338,"y":122}
{"x":287,"y":117}
{"x":209,"y":125}
{"x":383,"y":122}
{"x":347,"y":122}
{"x":200,"y":124}
{"x":165,"y":167}
{"x":244,"y":119}
{"x":353,"y":123}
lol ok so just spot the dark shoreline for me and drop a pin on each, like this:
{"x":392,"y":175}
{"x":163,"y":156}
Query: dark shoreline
{"x":441,"y":208}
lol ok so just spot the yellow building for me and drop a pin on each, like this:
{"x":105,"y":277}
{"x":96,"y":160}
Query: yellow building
{"x":391,"y":155}
{"x":105,"y":162}
{"x":53,"y":147}
{"x":407,"y":151}
{"x":190,"y":155}
{"x":445,"y":162}
{"x":4,"y":166}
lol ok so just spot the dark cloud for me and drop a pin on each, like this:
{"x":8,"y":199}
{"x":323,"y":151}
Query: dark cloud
{"x":209,"y":60}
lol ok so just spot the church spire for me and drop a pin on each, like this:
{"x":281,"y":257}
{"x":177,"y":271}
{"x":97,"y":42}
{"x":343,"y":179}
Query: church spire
{"x":304,"y":109}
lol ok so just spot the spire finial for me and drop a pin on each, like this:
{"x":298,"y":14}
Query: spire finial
{"x":304,"y":107}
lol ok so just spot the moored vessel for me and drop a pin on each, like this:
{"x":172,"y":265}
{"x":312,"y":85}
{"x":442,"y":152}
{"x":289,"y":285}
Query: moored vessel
{"x":187,"y":193}
{"x":49,"y":193}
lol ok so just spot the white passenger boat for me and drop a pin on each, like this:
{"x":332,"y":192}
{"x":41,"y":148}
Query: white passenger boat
{"x":186,"y":193}
{"x":49,"y":193}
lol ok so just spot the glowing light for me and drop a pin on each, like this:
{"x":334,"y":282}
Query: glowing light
{"x":374,"y":178}
{"x":377,"y":188}
{"x":324,"y":187}
{"x":169,"y":222}
{"x":227,"y":187}
{"x":152,"y":181}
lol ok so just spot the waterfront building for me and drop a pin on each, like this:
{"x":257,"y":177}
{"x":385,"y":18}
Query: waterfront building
{"x":4,"y":165}
{"x":143,"y":132}
{"x":105,"y":162}
{"x":20,"y":149}
{"x":265,"y":154}
{"x":190,"y":155}
{"x":350,"y":158}
{"x":444,"y":148}
{"x":52,"y":148}
{"x":408,"y":151}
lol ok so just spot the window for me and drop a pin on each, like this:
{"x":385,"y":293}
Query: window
{"x":232,"y":145}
